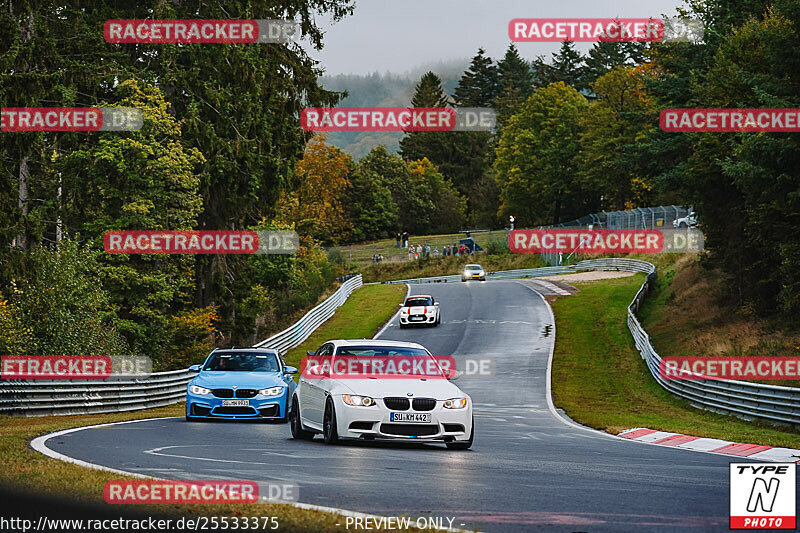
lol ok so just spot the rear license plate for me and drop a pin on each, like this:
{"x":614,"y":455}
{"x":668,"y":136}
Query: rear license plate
{"x":235,"y":403}
{"x":410,"y":417}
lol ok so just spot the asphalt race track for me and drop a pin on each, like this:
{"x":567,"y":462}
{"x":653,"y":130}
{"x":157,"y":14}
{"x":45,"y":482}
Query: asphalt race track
{"x":527,"y":470}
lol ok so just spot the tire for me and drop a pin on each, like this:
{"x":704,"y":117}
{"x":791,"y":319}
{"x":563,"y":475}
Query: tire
{"x":190,"y":419}
{"x":403,"y":326}
{"x":298,"y":433}
{"x":463,"y":445}
{"x":329,"y":432}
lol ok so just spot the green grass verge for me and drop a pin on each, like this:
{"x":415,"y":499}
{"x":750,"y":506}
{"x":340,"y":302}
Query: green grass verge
{"x":600,"y":379}
{"x":361,"y":254}
{"x":361,"y":316}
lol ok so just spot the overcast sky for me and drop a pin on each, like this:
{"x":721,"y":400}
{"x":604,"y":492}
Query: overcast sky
{"x":399,"y":35}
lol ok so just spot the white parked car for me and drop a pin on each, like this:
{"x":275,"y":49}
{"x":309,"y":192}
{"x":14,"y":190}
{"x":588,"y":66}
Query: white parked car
{"x":407,"y":407}
{"x":473,"y":272}
{"x":420,"y":309}
{"x":689,"y":221}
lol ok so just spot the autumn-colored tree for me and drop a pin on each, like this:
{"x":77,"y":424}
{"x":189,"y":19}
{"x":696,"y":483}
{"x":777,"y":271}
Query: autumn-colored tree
{"x":314,"y":206}
{"x":610,"y":129}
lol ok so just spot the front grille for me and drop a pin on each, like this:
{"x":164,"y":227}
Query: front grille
{"x":424,"y":404}
{"x":234,"y":411}
{"x":222,"y":393}
{"x":453,"y":428}
{"x":246,"y":393}
{"x":410,"y":430}
{"x":272,"y":410}
{"x":397,"y":404}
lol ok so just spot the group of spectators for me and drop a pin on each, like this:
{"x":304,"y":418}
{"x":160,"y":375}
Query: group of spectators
{"x":424,"y":251}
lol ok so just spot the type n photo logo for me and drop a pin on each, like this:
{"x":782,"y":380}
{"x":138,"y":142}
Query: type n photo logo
{"x":763,"y":496}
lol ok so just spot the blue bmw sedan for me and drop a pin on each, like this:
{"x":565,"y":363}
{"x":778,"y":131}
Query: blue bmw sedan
{"x":244,"y":383}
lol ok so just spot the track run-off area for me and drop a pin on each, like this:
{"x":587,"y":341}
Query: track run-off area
{"x":530,"y":468}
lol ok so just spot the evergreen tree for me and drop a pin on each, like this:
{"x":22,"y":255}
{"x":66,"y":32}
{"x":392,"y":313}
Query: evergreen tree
{"x":429,"y":92}
{"x":431,"y":144}
{"x":515,"y":72}
{"x":604,"y":56}
{"x":479,"y":85}
{"x":567,"y":66}
{"x":515,"y":85}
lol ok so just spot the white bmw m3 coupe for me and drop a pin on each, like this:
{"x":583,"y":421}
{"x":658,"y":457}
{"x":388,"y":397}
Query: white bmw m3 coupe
{"x":378,"y":389}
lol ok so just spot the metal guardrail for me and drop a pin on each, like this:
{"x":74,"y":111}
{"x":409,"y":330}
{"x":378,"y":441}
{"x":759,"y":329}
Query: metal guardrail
{"x":744,"y":399}
{"x":590,"y":264}
{"x":303,"y":328}
{"x":130,"y":392}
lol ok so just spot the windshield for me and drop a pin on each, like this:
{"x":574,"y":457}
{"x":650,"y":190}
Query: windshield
{"x":379,"y":350}
{"x":419,"y":301}
{"x":242,"y":362}
{"x":474,"y":267}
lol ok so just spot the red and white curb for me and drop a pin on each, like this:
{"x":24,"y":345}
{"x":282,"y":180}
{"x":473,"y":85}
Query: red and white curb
{"x":701,"y":444}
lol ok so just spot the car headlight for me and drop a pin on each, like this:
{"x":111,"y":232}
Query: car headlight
{"x":455,"y":403}
{"x":272,"y":391}
{"x":197,"y":389}
{"x":359,"y":401}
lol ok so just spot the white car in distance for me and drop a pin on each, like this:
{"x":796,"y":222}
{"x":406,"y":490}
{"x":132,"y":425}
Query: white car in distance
{"x":473,"y":272}
{"x":420,"y":309}
{"x":411,"y":407}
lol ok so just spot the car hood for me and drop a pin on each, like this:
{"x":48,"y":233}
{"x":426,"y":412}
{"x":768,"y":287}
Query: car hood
{"x":441,"y":389}
{"x":420,"y":309}
{"x":242,"y":380}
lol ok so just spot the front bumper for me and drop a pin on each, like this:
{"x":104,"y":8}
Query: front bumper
{"x":447,"y":425}
{"x":474,"y":276}
{"x":430,"y":318}
{"x":260,"y":407}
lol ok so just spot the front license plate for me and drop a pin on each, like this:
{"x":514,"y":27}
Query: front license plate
{"x":410,"y":417}
{"x":475,"y":276}
{"x":417,"y":318}
{"x":235,"y":403}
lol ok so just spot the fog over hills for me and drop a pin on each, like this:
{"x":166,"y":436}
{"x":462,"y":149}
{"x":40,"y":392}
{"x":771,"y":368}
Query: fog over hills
{"x":384,"y":90}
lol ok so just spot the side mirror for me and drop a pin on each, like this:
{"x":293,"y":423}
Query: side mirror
{"x":457,"y":374}
{"x":289,"y":370}
{"x":311,"y":354}
{"x":436,"y":304}
{"x":195,"y":368}
{"x":399,"y":305}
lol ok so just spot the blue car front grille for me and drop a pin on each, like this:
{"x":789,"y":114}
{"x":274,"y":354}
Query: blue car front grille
{"x":230,"y":393}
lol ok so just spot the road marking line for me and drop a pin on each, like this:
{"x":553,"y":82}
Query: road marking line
{"x":39,"y":444}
